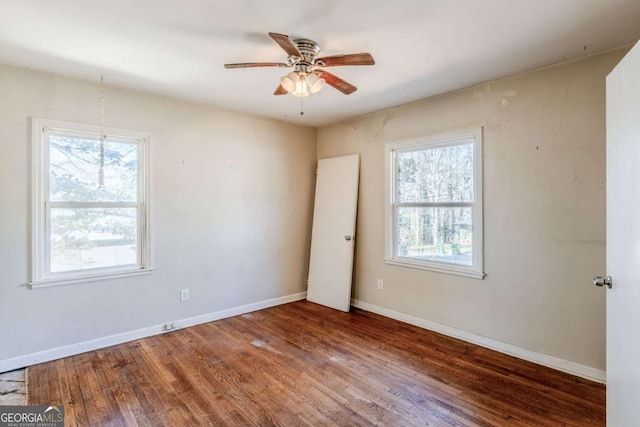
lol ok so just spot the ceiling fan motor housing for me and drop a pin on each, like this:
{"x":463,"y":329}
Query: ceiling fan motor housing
{"x":309,"y":50}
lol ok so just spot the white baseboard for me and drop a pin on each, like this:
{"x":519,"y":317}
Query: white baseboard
{"x":512,"y":350}
{"x":573,"y":368}
{"x":98,"y":343}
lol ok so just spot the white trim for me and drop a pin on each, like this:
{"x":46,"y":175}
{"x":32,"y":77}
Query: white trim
{"x":556,"y":363}
{"x":62,"y":281}
{"x":439,"y":267}
{"x":98,"y":343}
{"x":95,"y":205}
{"x":86,"y":129}
{"x":476,"y":270}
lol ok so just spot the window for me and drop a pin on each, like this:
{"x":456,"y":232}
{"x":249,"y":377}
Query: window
{"x":90,"y":203}
{"x":434,"y":203}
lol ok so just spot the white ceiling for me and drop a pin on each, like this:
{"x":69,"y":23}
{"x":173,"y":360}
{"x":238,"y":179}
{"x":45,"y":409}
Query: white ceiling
{"x":421,"y":47}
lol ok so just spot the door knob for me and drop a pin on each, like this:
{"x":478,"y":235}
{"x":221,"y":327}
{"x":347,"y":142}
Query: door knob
{"x":603,"y":281}
{"x":347,"y":238}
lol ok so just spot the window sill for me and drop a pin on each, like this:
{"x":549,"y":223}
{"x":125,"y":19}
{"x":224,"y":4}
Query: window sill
{"x":62,"y":281}
{"x":440,"y":268}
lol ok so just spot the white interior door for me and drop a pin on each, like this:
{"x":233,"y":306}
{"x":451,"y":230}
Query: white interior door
{"x":334,"y":229}
{"x":623,"y":242}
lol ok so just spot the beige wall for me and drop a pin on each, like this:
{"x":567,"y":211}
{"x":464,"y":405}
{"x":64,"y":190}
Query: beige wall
{"x":544,"y":210}
{"x":231,"y":202}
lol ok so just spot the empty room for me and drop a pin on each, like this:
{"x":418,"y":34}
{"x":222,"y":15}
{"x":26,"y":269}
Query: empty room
{"x":349,"y":213}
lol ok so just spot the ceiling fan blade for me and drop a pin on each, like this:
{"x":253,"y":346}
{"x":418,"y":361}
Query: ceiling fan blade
{"x":286,"y":44}
{"x":337,"y":82}
{"x":256,"y":64}
{"x":349,"y":59}
{"x":280,"y":91}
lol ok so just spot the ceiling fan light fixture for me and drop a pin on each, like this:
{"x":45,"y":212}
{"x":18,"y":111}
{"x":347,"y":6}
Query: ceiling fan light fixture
{"x":315,"y":83}
{"x":290,"y":81}
{"x":302,"y":88}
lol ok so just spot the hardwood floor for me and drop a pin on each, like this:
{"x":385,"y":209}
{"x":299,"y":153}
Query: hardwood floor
{"x":303,"y":364}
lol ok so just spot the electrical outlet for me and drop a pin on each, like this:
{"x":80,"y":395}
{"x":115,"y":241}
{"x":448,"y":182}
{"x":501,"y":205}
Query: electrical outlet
{"x":380,"y":284}
{"x":184,"y":295}
{"x":169,"y":326}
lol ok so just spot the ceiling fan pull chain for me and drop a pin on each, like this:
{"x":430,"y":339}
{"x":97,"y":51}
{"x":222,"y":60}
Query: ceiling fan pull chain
{"x":302,"y":105}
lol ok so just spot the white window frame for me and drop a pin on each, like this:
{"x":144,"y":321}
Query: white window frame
{"x":391,"y":204}
{"x":41,"y":276}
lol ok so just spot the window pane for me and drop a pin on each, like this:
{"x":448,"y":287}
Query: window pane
{"x":74,"y":165}
{"x":93,"y":238}
{"x":436,"y":175}
{"x":435,"y":234}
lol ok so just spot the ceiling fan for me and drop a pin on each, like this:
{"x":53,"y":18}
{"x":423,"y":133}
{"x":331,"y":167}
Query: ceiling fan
{"x":307,"y":75}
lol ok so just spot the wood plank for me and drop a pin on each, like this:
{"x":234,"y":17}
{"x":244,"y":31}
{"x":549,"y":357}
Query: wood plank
{"x":304,"y":364}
